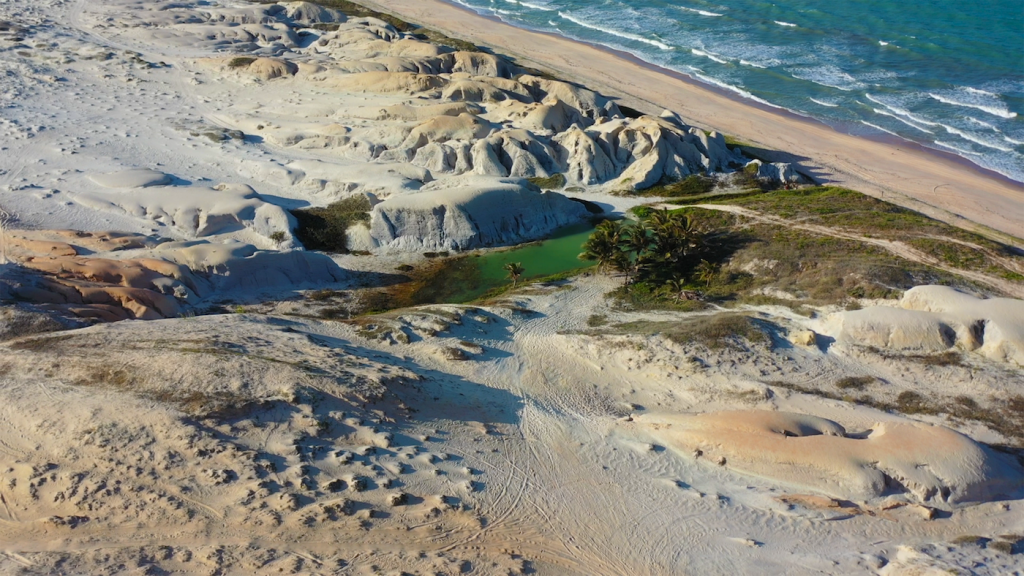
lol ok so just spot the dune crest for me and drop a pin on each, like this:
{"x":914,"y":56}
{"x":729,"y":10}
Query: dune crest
{"x":931,"y":464}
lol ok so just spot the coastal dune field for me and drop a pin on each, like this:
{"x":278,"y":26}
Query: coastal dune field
{"x":293,"y":288}
{"x":940,"y":186}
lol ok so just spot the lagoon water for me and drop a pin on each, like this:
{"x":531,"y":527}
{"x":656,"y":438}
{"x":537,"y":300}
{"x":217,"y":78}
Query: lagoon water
{"x":948,"y":74}
{"x":558,"y":253}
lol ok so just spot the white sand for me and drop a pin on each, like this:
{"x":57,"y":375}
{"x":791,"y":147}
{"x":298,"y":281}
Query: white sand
{"x":144,"y":174}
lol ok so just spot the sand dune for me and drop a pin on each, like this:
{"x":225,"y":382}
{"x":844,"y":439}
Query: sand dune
{"x":184,"y":388}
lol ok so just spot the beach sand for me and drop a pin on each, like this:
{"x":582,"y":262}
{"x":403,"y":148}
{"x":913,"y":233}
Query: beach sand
{"x":924,"y":180}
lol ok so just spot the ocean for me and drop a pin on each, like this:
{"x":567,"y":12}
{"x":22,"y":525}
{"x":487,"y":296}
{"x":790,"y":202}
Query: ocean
{"x":947,"y":74}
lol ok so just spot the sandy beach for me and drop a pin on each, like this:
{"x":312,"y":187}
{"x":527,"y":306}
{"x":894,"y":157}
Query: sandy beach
{"x":907,"y":175}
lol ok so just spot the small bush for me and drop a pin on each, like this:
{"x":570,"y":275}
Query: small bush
{"x":854,"y":382}
{"x":910,"y":402}
{"x":715,"y":332}
{"x":1002,"y":546}
{"x":325,"y":228}
{"x":550,"y":183}
{"x":693,"y":185}
{"x":333,"y":312}
{"x":323,"y":295}
{"x":404,"y":268}
{"x":240,"y":61}
{"x":277,"y":236}
{"x":970,"y":540}
{"x":455,"y":354}
{"x":597,"y":320}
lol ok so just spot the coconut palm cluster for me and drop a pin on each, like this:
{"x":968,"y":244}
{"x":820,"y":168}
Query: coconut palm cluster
{"x":664,"y":248}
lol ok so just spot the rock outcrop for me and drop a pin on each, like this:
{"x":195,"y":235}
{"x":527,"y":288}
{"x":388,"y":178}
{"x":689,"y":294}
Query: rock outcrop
{"x":485,"y":212}
{"x":932,"y":464}
{"x":937,"y":318}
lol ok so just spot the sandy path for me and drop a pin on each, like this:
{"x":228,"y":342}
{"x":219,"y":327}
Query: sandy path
{"x":938,"y":186}
{"x":894,"y":246}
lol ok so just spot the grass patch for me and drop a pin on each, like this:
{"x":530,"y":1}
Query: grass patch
{"x":755,"y":258}
{"x":644,"y":296}
{"x":325,"y":228}
{"x":40,"y":344}
{"x":716,"y":332}
{"x":845,"y":209}
{"x":694,"y":185}
{"x":554,"y":182}
{"x":854,"y":382}
{"x":240,"y":61}
{"x":597,"y":320}
{"x":969,"y":540}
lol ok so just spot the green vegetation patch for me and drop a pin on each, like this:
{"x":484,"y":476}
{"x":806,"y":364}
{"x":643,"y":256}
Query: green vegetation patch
{"x":747,"y":259}
{"x":240,"y":61}
{"x":716,"y":332}
{"x":325,"y":228}
{"x":694,"y":185}
{"x":554,"y":182}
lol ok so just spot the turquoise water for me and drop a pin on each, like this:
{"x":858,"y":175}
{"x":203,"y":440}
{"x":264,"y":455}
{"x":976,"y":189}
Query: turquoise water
{"x":948,"y":74}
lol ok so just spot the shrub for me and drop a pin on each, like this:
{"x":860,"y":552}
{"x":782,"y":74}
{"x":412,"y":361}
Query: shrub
{"x":325,"y":228}
{"x":910,"y":402}
{"x":277,"y":236}
{"x":553,"y":182}
{"x":854,"y":382}
{"x":323,"y":295}
{"x":693,"y":185}
{"x":240,"y":61}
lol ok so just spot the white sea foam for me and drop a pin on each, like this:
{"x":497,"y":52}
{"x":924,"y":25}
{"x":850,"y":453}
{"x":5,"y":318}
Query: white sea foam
{"x":698,"y":74}
{"x":976,"y":139}
{"x":982,"y":123}
{"x":955,"y":148}
{"x":883,"y":43}
{"x":754,"y":64}
{"x":977,"y":91}
{"x":901,"y":112}
{"x":710,"y":55}
{"x":1013,"y":141}
{"x":537,"y":6}
{"x":781,"y":23}
{"x":903,"y":120}
{"x":880,"y":128}
{"x":828,"y":75}
{"x":826,"y":104}
{"x":701,"y":12}
{"x":997,"y":110}
{"x":627,"y":35}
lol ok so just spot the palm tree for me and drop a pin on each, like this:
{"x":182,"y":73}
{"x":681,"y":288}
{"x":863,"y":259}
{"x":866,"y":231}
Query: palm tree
{"x":636,"y":239}
{"x":603,"y":244}
{"x":515,"y":272}
{"x":706,"y":272}
{"x":621,"y":263}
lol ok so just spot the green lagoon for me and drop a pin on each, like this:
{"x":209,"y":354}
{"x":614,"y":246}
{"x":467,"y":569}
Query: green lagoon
{"x":466,"y":278}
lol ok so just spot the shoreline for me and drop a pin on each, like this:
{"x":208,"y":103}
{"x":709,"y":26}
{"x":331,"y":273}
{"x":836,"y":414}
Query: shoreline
{"x":840,"y":127}
{"x":937,"y":183}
